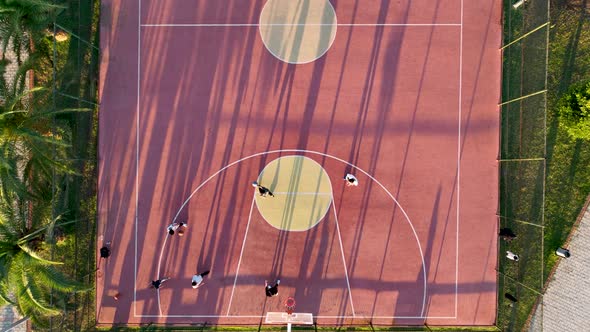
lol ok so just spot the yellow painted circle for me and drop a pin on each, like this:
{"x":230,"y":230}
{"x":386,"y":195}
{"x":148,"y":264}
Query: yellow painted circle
{"x":298,"y":31}
{"x":302,"y":193}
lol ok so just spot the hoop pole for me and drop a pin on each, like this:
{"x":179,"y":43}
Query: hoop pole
{"x":288,"y":327}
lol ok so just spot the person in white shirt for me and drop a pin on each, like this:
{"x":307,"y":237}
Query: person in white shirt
{"x":198,"y":279}
{"x":351,"y":180}
{"x":174,"y":226}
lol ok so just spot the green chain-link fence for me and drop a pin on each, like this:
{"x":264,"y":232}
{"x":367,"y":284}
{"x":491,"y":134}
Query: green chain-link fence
{"x":523,"y":112}
{"x":70,"y":56}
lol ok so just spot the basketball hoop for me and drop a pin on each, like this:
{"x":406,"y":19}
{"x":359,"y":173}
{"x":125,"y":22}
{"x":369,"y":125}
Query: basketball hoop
{"x":289,"y":317}
{"x":290,"y":305}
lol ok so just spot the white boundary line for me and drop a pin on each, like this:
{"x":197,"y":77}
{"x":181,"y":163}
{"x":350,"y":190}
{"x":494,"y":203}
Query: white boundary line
{"x":324,"y":155}
{"x":305,"y":151}
{"x":301,"y":24}
{"x":137,"y":153}
{"x":241,"y":253}
{"x":343,"y":258}
{"x":321,"y":317}
{"x":459,"y":162}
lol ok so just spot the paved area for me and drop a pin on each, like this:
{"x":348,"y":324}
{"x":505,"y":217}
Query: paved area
{"x":8,"y":316}
{"x":567,"y":299}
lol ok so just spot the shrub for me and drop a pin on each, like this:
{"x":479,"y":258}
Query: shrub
{"x":574,"y":111}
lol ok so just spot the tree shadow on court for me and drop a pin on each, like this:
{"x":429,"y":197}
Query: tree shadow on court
{"x":386,"y":96}
{"x":174,"y":183}
{"x":116,"y":175}
{"x":184,"y":115}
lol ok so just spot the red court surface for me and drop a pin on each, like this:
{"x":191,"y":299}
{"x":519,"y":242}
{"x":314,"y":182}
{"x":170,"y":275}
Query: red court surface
{"x":193,"y":107}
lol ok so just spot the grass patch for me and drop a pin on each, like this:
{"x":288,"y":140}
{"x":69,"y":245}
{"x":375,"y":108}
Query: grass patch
{"x":529,"y":269}
{"x":568,"y":174}
{"x":521,"y":190}
{"x":523,"y":128}
{"x":513,"y":316}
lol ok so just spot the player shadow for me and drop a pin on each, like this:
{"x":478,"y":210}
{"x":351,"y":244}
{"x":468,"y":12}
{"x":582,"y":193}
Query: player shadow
{"x":177,"y":184}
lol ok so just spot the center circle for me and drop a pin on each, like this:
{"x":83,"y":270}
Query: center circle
{"x":298,"y":31}
{"x":302,"y":193}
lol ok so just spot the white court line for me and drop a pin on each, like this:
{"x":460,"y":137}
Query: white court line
{"x":335,"y":158}
{"x":459,"y":161}
{"x":292,"y":150}
{"x":389,"y":317}
{"x":241,"y":253}
{"x":343,"y":258}
{"x":137,"y":154}
{"x":301,"y":24}
{"x":301,"y":193}
{"x":320,"y":317}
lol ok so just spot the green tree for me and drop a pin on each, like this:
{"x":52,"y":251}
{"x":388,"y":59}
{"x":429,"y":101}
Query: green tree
{"x":574,"y":111}
{"x":27,"y":279}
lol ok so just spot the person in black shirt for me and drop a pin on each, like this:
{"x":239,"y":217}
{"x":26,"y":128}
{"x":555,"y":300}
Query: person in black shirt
{"x":271,"y":290}
{"x":157,"y":283}
{"x":507,"y":234}
{"x":262,"y":190}
{"x":105,"y":252}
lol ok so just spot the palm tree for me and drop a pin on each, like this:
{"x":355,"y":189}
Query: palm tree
{"x":27,"y":279}
{"x":31,"y":146}
{"x":23,"y":22}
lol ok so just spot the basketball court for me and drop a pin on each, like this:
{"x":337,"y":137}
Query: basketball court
{"x":199,"y":99}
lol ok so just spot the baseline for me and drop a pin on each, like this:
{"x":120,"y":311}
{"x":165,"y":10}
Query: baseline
{"x":302,"y":24}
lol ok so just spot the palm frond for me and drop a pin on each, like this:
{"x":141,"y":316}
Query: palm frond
{"x":4,"y":299}
{"x":6,"y":114}
{"x":34,"y":255}
{"x":46,"y":114}
{"x":30,"y":301}
{"x":18,"y":97}
{"x":35,"y":136}
{"x":50,"y":277}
